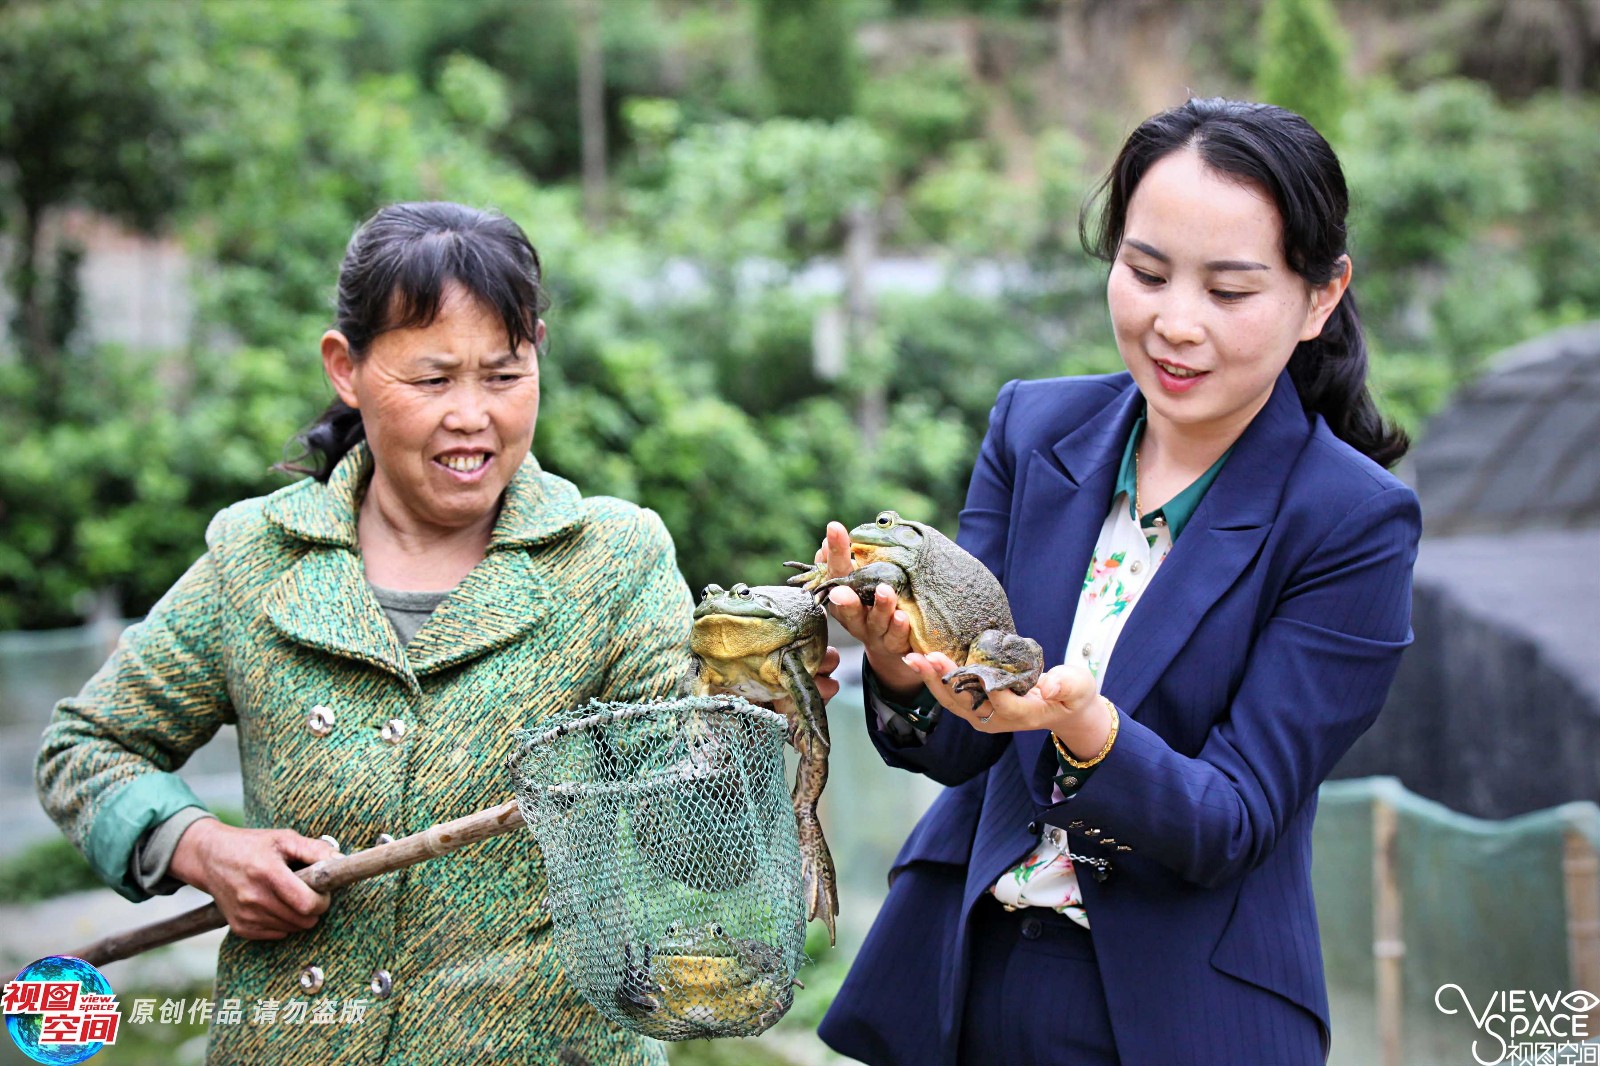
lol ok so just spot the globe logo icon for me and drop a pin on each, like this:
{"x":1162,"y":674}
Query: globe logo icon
{"x":27,"y":1029}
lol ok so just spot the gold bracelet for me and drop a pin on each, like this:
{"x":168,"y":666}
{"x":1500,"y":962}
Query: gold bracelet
{"x":1111,"y":738}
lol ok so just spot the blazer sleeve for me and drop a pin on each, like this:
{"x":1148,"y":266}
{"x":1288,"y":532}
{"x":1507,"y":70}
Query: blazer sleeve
{"x":1315,"y":680}
{"x":952,"y":751}
{"x":105,"y":769}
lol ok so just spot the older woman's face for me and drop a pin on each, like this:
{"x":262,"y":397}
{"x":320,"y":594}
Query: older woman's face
{"x":449,"y":412}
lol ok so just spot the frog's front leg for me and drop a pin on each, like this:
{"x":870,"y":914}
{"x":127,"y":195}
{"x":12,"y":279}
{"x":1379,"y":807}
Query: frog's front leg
{"x":808,"y":726}
{"x":865,"y":581}
{"x":997,"y":660}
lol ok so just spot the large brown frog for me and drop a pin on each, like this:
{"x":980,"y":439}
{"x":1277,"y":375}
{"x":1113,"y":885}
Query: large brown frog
{"x":953,"y":603}
{"x":765,"y":644}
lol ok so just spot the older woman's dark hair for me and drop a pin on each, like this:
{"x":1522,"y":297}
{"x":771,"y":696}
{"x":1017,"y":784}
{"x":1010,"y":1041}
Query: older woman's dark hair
{"x":395,"y":274}
{"x":1277,"y":151}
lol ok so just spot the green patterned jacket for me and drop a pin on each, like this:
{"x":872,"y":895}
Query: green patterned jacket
{"x":575,"y":598}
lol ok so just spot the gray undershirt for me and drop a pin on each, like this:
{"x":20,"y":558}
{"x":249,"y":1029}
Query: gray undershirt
{"x":407,"y":612}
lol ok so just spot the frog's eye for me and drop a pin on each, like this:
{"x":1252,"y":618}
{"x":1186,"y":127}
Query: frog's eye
{"x":716,"y":930}
{"x":710,"y":591}
{"x":742,"y":591}
{"x":886,"y":519}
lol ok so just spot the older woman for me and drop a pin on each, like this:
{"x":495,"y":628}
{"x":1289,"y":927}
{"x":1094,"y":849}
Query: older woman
{"x":376,"y":631}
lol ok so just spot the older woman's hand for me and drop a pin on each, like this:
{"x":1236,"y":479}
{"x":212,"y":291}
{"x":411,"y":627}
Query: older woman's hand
{"x":1066,"y":701}
{"x":883,"y":629}
{"x":247,"y":872}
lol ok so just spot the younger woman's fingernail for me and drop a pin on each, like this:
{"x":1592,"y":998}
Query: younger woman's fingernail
{"x":836,"y":595}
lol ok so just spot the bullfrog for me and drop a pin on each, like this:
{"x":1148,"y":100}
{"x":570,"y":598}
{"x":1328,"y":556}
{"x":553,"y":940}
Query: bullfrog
{"x":765,"y":643}
{"x":953,"y":603}
{"x":700,"y":975}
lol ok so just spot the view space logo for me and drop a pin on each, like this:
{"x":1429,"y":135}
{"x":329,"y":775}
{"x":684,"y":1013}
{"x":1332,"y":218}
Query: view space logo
{"x":1523,"y":1026}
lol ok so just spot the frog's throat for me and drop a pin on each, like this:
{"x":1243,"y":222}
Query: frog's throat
{"x":727,"y":637}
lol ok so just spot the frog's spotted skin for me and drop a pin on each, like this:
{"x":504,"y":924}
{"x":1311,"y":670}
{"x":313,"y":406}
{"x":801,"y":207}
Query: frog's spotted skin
{"x":953,"y":603}
{"x":765,"y":643}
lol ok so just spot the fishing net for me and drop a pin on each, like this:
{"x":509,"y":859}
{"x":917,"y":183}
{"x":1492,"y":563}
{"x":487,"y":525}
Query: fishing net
{"x":672,"y":858}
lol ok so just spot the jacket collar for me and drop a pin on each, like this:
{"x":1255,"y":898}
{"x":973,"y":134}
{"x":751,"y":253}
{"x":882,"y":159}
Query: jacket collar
{"x":536,"y":507}
{"x":323,"y":600}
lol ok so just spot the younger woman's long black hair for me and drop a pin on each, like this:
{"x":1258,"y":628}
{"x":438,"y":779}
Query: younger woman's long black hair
{"x":1279,"y":152}
{"x":394,"y":276}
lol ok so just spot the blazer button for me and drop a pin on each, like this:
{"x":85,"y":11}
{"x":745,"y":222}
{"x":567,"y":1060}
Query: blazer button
{"x":382,"y":984}
{"x":311,"y":979}
{"x":393,"y":731}
{"x":320,"y":721}
{"x":1031,"y":928}
{"x":1075,"y":825}
{"x":1069,"y":782}
{"x":1033,"y":829}
{"x":1108,"y":840}
{"x":1092,"y":831}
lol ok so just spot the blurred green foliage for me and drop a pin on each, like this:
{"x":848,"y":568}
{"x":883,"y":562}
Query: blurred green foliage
{"x":1302,"y":62}
{"x":683,"y":369}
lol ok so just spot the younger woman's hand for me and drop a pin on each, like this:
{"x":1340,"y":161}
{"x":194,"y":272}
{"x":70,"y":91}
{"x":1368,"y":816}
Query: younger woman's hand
{"x":246,"y":871}
{"x":883,"y":629}
{"x":1066,"y":701}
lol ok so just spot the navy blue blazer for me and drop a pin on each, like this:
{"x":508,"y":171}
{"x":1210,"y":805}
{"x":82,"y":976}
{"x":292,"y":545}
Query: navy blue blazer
{"x":1258,"y":654}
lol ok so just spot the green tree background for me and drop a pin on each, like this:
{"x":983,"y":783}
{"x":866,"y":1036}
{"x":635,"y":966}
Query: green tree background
{"x":748,"y":143}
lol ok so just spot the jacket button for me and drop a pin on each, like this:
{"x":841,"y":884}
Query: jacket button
{"x":1075,"y":825}
{"x":382,"y":984}
{"x":320,"y":721}
{"x":393,"y":730}
{"x":1033,"y":828}
{"x":382,"y":839}
{"x":1031,"y":928}
{"x":1092,"y":831}
{"x":1069,"y":782}
{"x":311,"y":979}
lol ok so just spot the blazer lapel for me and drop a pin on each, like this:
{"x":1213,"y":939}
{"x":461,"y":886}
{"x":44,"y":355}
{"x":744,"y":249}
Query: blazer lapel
{"x":1065,"y":497}
{"x":498,"y":602}
{"x":1222,"y":540}
{"x":504,"y":596}
{"x":323,"y":601}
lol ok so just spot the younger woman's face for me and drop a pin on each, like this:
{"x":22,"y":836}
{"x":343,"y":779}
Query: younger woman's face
{"x":1205,"y":309}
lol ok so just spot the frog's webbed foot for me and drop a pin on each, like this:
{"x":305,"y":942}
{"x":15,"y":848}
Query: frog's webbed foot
{"x":864,"y":580}
{"x":809,"y":575}
{"x":998,"y":660}
{"x":819,"y":885}
{"x":808,"y":726}
{"x":636,"y":994}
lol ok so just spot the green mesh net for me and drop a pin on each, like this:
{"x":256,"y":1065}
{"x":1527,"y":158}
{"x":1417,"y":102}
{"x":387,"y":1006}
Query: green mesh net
{"x":673,"y":862}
